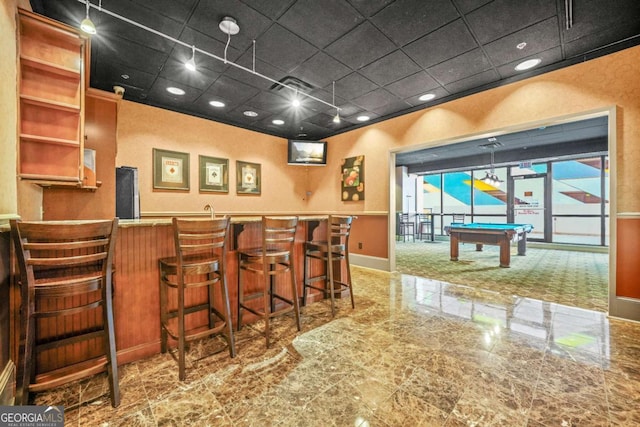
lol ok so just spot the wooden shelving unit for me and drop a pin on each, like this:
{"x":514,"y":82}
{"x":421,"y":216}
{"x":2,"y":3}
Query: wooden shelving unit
{"x":53,"y":60}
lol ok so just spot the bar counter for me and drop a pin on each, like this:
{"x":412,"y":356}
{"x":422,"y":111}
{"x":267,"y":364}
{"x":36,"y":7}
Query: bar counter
{"x":141,"y":243}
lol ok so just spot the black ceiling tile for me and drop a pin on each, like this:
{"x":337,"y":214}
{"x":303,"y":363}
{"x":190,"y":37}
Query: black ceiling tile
{"x":176,"y":10}
{"x":502,"y":17}
{"x":331,"y":20}
{"x":392,"y":107}
{"x":407,"y":20}
{"x":361,"y":46}
{"x":110,"y":72}
{"x":211,"y":46}
{"x":323,"y":120}
{"x":467,"y":6}
{"x":320,"y":70}
{"x":159,"y":94}
{"x":353,"y":85}
{"x":202,"y":104}
{"x":590,"y":17}
{"x":248,"y":77}
{"x":548,"y":57}
{"x":477,"y":80}
{"x":229,"y":88}
{"x":237,"y":114}
{"x":110,"y":28}
{"x":418,"y":83}
{"x":538,"y":37}
{"x":460,"y":67}
{"x":369,"y":7}
{"x":439,"y":93}
{"x":605,"y":37}
{"x":208,"y":14}
{"x":283,"y":49}
{"x":175,"y":70}
{"x":269,"y":102}
{"x":354,"y":118}
{"x":442,"y":44}
{"x":375,"y":99}
{"x":271,"y":8}
{"x":390,"y":68}
{"x":129,"y":53}
{"x":349,"y":110}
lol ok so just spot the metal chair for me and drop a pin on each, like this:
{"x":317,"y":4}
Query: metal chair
{"x":425,"y":220}
{"x":333,"y":249}
{"x":66,"y":322}
{"x":201,"y":257}
{"x":458,"y":219}
{"x":273,"y":258}
{"x":406,"y":227}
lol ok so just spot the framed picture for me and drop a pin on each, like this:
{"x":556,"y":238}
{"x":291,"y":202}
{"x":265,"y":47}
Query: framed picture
{"x":170,"y":170}
{"x":248,"y":176}
{"x":214,"y":174}
{"x":352,"y":179}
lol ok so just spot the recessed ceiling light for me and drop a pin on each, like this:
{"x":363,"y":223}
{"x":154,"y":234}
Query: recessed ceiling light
{"x":427,"y":97}
{"x":362,"y":118}
{"x":175,"y":90}
{"x":218,"y":104}
{"x":125,"y":76}
{"x":521,"y":45}
{"x":529,"y":63}
{"x":295,"y":102}
{"x":250,"y":113}
{"x":278,"y":122}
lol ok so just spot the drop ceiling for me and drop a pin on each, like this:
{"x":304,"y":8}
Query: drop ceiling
{"x":381,"y":54}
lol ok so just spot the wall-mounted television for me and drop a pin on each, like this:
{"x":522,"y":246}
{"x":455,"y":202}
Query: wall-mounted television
{"x":308,"y":153}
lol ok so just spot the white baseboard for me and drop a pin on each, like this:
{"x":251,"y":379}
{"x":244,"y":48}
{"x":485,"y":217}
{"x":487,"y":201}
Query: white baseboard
{"x":366,"y":261}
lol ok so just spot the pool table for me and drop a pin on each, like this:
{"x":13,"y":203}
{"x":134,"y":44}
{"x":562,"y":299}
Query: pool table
{"x":490,"y":234}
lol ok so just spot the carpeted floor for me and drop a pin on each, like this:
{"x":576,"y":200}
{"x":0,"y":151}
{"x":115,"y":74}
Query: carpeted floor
{"x":578,"y":279}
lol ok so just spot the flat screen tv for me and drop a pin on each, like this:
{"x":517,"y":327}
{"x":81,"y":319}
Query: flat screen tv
{"x":308,"y":153}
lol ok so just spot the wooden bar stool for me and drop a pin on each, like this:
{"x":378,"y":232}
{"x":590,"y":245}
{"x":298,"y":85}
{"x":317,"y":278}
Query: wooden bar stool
{"x":274,"y":258}
{"x":66,"y":321}
{"x":201,"y":253}
{"x":333,"y":249}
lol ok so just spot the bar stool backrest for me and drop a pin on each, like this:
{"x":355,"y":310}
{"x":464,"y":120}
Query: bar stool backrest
{"x":65,"y":269}
{"x":278,"y":236}
{"x":200,"y":240}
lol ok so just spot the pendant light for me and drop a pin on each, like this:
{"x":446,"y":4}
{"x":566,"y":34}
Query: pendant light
{"x":87,"y":25}
{"x":336,"y":118}
{"x":191,"y":64}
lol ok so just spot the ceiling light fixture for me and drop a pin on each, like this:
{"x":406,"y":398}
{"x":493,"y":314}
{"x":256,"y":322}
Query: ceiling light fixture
{"x":228,"y":26}
{"x":277,"y":122}
{"x":336,"y":118}
{"x":250,"y":113}
{"x":363,"y":118}
{"x":87,"y":25}
{"x":191,"y":64}
{"x":528,"y":64}
{"x":175,"y":90}
{"x":217,"y":104}
{"x":427,"y":97}
{"x":490,"y":176}
{"x":296,"y":101}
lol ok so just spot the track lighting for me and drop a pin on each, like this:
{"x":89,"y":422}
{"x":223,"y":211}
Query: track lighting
{"x":336,"y":118}
{"x":191,"y":64}
{"x":87,"y":25}
{"x":490,"y":177}
{"x":227,"y":25}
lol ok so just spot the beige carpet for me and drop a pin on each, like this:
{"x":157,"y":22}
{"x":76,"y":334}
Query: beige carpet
{"x":578,"y":279}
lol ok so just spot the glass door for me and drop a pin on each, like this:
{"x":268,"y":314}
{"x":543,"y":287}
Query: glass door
{"x":530,"y":204}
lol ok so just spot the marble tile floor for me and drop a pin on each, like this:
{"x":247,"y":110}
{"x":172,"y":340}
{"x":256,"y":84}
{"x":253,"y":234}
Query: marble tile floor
{"x":414,"y":352}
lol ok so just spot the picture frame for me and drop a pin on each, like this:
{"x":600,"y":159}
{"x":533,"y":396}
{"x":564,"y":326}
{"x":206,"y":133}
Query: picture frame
{"x":170,"y":170}
{"x":352,"y":179}
{"x":248,"y":178}
{"x":213,"y":174}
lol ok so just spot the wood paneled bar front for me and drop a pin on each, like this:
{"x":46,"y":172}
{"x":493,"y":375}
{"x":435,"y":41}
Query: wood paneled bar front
{"x":141,"y":243}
